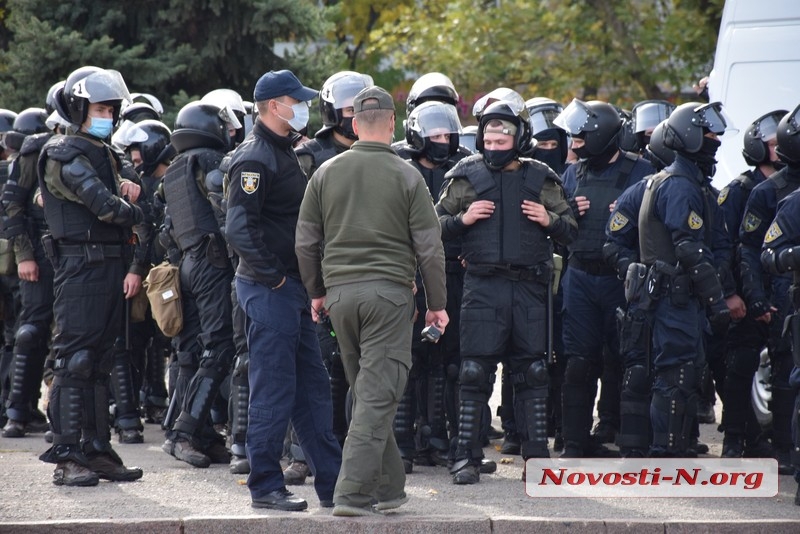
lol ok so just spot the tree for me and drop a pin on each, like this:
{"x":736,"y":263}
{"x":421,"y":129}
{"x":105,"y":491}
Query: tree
{"x":179,"y":47}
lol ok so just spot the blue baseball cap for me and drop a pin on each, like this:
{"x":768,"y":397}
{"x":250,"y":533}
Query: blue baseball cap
{"x":277,"y":83}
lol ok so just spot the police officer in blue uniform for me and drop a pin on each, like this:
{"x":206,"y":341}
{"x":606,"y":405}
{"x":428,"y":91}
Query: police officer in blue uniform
{"x":681,"y":244}
{"x":746,"y":338}
{"x":592,"y":290}
{"x":781,"y":254}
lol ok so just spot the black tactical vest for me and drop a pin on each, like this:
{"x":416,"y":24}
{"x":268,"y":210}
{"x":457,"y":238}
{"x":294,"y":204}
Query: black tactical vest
{"x":507,"y":237}
{"x":601,"y":191}
{"x":191,"y":213}
{"x":321,"y":149}
{"x":73,"y":221}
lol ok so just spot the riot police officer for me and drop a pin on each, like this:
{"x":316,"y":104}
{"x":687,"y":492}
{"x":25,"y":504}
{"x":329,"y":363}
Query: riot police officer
{"x":205,"y":348}
{"x":90,"y":222}
{"x":24,"y":226}
{"x":592,"y":290}
{"x":506,"y":209}
{"x":678,"y":243}
{"x":746,"y":338}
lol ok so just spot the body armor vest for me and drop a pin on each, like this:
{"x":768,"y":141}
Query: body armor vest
{"x":507,"y":237}
{"x":321,"y":149}
{"x":601,"y":191}
{"x":784,"y":186}
{"x":72,"y":221}
{"x":191,"y":212}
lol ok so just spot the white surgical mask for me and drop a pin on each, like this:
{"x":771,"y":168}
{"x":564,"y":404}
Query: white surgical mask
{"x":300,"y":119}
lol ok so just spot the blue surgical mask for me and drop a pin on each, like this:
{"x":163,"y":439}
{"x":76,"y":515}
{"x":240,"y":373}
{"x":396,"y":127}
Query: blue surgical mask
{"x":300,"y":119}
{"x":100,"y":128}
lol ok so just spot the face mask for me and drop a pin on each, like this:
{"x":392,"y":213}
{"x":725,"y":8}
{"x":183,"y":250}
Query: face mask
{"x":438,"y":153}
{"x":497,"y":159}
{"x":550,"y":157}
{"x":100,"y":128}
{"x":300,"y":119}
{"x":704,"y":158}
{"x":346,"y":128}
{"x":139,"y":169}
{"x":582,"y":152}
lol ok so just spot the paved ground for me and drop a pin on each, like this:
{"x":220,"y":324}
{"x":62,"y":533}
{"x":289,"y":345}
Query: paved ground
{"x":175,"y":497}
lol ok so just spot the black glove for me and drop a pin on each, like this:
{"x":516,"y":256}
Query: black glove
{"x":757,"y":309}
{"x":720,"y":317}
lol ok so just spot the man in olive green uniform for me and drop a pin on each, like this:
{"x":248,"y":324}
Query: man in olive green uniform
{"x":374,"y":214}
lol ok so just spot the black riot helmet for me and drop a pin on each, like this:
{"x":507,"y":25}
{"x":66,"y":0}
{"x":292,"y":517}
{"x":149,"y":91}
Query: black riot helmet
{"x":50,"y":100}
{"x":507,"y":111}
{"x":151,"y":138}
{"x":496,"y":95}
{"x":597,"y":123}
{"x":658,"y":154}
{"x":7,"y":118}
{"x":689,"y":122}
{"x":646,"y":115}
{"x":430,"y":119}
{"x":200,"y":125}
{"x":138,"y":112}
{"x":336,"y":94}
{"x":230,"y":99}
{"x":627,"y":139}
{"x":759,"y":134}
{"x":90,"y":85}
{"x":431,"y":86}
{"x":542,"y":113}
{"x":29,"y":121}
{"x":789,"y":138}
{"x":150,"y":100}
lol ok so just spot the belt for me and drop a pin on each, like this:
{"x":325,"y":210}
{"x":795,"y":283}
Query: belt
{"x":109,"y":251}
{"x":510,"y":272}
{"x":592,"y":267}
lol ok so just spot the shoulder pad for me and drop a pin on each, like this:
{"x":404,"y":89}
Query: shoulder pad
{"x":225,"y":164}
{"x":209,"y":160}
{"x":214,"y":181}
{"x":463,"y":165}
{"x":34,"y":143}
{"x":61,"y":150}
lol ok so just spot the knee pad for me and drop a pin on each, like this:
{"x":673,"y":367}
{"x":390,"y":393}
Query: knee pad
{"x":241,"y":365}
{"x":473,"y":375}
{"x":636,"y":380}
{"x":80,"y":364}
{"x":536,"y":375}
{"x":217,"y":360}
{"x":28,"y":340}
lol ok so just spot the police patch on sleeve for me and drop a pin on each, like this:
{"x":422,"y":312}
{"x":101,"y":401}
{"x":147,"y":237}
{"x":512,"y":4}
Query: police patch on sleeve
{"x":617,"y":222}
{"x":751,"y":222}
{"x":695,"y":221}
{"x":250,"y":181}
{"x":773,"y":233}
{"x":722,"y":196}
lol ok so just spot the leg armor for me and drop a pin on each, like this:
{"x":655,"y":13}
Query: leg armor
{"x":96,"y":428}
{"x":530,"y":409}
{"x":154,"y":391}
{"x":30,"y":351}
{"x":126,"y":412}
{"x":186,"y":367}
{"x":677,"y":402}
{"x":201,"y":392}
{"x":635,"y":409}
{"x":473,"y":395}
{"x":436,"y":410}
{"x":67,"y":407}
{"x":239,"y":402}
{"x":577,"y":393}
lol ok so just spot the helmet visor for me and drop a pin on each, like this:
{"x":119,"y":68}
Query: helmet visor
{"x":543,"y":119}
{"x":575,"y":118}
{"x":501,"y":94}
{"x":794,"y":121}
{"x":713,"y":117}
{"x":153,"y":101}
{"x":229,"y":117}
{"x":647,"y":115}
{"x":438,"y":120}
{"x":128,"y":133}
{"x":102,"y":86}
{"x":341,"y":92}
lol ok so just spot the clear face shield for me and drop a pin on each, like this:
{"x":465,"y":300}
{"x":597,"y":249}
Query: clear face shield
{"x":341,"y":92}
{"x":501,"y":94}
{"x":128,"y":133}
{"x":225,"y":97}
{"x":102,"y":86}
{"x":229,"y":117}
{"x":575,"y":118}
{"x":648,"y":115}
{"x":714,"y":118}
{"x":154,"y":102}
{"x":437,"y":120}
{"x":543,"y":119}
{"x":767,"y":128}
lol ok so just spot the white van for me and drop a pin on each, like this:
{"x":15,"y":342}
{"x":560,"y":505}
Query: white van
{"x":756,"y":70}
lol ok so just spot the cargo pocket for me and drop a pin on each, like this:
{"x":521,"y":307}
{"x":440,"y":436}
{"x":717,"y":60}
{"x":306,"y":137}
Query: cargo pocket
{"x":479,"y":332}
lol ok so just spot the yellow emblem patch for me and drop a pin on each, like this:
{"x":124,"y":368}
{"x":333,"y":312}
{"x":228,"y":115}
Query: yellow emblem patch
{"x":751,"y":222}
{"x":695,"y":221}
{"x":250,"y":182}
{"x":617,"y":222}
{"x":773,"y":233}
{"x":722,"y":196}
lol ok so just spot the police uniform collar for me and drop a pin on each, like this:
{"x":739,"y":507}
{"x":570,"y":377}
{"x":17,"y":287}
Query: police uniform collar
{"x":686,"y":167}
{"x":281,"y":141}
{"x":372,"y":145}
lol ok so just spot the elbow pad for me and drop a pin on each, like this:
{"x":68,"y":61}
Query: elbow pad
{"x":788,"y":259}
{"x":706,"y":283}
{"x":690,"y":253}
